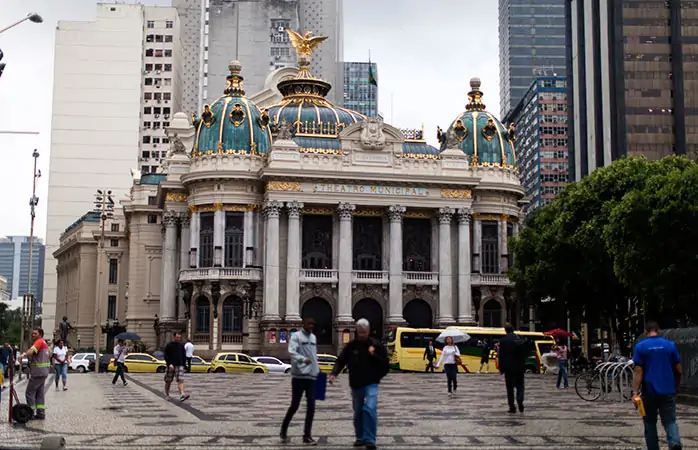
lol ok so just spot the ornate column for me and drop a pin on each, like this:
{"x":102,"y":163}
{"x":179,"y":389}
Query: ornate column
{"x":477,"y":244}
{"x":465,"y":301}
{"x":184,"y":240}
{"x":218,"y":235}
{"x":272,"y":211}
{"x":445,"y":266}
{"x":503,"y":245}
{"x":248,"y":236}
{"x":168,"y":292}
{"x":194,"y":238}
{"x":293,"y":263}
{"x":345,"y":211}
{"x":395,"y":214}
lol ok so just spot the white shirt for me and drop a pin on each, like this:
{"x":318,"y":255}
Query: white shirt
{"x":189,"y":349}
{"x":448,"y":355}
{"x":117,"y":350}
{"x":60,"y":354}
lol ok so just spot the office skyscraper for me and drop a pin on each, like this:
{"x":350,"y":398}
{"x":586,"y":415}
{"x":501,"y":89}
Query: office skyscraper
{"x":634,"y":80}
{"x":531,"y":44}
{"x":359,"y":94}
{"x":14,"y":267}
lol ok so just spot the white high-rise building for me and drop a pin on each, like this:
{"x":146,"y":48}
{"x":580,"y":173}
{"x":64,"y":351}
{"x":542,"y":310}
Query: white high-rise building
{"x":116,"y":82}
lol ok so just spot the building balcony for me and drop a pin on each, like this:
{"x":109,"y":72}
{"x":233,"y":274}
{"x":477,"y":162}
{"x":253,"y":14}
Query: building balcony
{"x":221,"y":274}
{"x":369,"y":277}
{"x":318,"y":276}
{"x":490,"y":279}
{"x":421,"y":278}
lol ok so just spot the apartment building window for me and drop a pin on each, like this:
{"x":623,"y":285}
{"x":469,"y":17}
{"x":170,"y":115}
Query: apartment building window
{"x":156,"y":140}
{"x":158,"y":53}
{"x":167,"y":96}
{"x":147,"y":96}
{"x":168,"y":67}
{"x":114,"y":243}
{"x":280,"y":51}
{"x":165,"y":140}
{"x":111,"y":307}
{"x":490,"y":247}
{"x":147,"y":110}
{"x":157,"y":96}
{"x":158,"y":66}
{"x":145,"y":155}
{"x":152,"y":218}
{"x":167,"y":81}
{"x":146,"y":125}
{"x":168,"y":38}
{"x":148,"y":67}
{"x":145,"y":170}
{"x":113,"y":270}
{"x":149,"y":52}
{"x":156,"y":125}
{"x":146,"y":139}
{"x":149,"y":38}
{"x":168,"y":53}
{"x":148,"y":81}
{"x":165,"y":125}
{"x":115,"y":227}
{"x":150,"y":24}
{"x":166,"y":110}
{"x":158,"y":38}
{"x":169,"y":24}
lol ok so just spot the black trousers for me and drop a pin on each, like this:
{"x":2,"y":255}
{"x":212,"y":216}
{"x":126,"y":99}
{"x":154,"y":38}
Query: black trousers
{"x":188,"y":365}
{"x":514,"y":380}
{"x":298,"y":387}
{"x":430,"y":366}
{"x":451,"y":376}
{"x":119,"y":373}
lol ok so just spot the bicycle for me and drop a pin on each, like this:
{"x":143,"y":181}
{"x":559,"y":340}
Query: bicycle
{"x":589,"y":386}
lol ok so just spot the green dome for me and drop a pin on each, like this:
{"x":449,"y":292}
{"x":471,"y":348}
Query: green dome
{"x":232,"y":125}
{"x":480,"y":135}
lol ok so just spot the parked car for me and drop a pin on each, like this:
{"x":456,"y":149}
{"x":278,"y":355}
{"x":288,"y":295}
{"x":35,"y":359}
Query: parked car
{"x":139,"y":363}
{"x":274,"y":365}
{"x":81,"y":362}
{"x":199,"y":365}
{"x":104,"y":361}
{"x":236,"y":363}
{"x":326,"y":363}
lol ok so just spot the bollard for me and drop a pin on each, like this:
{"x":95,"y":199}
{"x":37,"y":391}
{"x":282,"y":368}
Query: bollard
{"x":53,"y":443}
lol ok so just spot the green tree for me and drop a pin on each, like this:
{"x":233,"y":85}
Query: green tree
{"x":10,"y":324}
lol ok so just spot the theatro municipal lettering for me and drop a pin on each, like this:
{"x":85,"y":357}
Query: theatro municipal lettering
{"x":372,"y":190}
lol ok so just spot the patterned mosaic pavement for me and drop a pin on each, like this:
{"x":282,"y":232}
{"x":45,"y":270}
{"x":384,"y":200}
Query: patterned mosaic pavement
{"x":245,"y":411}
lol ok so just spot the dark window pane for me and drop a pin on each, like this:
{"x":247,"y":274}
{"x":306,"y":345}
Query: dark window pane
{"x":317,"y":242}
{"x":490,"y":247}
{"x":206,"y":240}
{"x":113,"y":270}
{"x":234,"y":243}
{"x":368,"y":243}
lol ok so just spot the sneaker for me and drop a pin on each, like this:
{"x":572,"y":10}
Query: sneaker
{"x":676,"y":447}
{"x":512,"y":410}
{"x":358,"y":443}
{"x":65,"y":388}
{"x":125,"y":383}
{"x":184,"y":397}
{"x":307,"y":440}
{"x":370,"y":446}
{"x":454,"y":393}
{"x":521,"y":408}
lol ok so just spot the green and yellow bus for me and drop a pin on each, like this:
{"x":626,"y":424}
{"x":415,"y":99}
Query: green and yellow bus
{"x":406,"y":347}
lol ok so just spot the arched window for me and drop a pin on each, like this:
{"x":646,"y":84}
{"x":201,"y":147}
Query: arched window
{"x":234,"y":243}
{"x":232,"y":315}
{"x":203,"y":315}
{"x":416,"y":245}
{"x":317,"y":242}
{"x":368,"y":243}
{"x":492,"y":314}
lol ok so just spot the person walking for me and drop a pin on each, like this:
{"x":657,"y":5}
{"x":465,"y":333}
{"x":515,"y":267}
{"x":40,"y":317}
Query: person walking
{"x":5,"y":360}
{"x":60,"y":363}
{"x":175,"y":358}
{"x":511,"y":364}
{"x":562,"y":358}
{"x":430,"y":356}
{"x":658,"y":373}
{"x":450,"y":356}
{"x":120,"y":352}
{"x":368,"y":364}
{"x":485,"y":358}
{"x":302,"y":348}
{"x":39,"y":366}
{"x":189,"y":350}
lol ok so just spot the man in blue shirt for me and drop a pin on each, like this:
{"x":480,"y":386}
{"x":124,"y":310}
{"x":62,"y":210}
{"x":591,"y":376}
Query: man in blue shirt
{"x":658,"y":373}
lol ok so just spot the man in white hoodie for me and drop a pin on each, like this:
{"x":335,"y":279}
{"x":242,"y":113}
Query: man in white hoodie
{"x":302,"y":348}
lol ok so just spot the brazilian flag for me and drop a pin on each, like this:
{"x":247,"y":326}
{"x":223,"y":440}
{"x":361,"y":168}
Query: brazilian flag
{"x":371,"y":75}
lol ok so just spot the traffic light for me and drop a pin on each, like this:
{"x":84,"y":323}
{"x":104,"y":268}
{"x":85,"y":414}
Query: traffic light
{"x":2,"y":64}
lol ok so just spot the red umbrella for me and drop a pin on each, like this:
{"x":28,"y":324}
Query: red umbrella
{"x":558,"y":333}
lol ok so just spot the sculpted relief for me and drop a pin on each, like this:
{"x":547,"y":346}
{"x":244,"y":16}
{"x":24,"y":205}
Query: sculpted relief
{"x":372,"y":136}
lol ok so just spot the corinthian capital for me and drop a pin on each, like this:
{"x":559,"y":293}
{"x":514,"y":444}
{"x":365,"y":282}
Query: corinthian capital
{"x":184,"y":219}
{"x":464,"y":215}
{"x":272,"y":209}
{"x":170,"y":219}
{"x":295,"y":209}
{"x":446,"y":215}
{"x":396,"y":213}
{"x":345,"y":210}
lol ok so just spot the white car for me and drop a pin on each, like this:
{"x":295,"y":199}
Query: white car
{"x":81,"y":362}
{"x":273,"y":364}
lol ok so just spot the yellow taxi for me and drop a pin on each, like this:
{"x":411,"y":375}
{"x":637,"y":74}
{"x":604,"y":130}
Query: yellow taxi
{"x":326,"y":363}
{"x":140,"y":363}
{"x":235,"y":363}
{"x":198,"y":365}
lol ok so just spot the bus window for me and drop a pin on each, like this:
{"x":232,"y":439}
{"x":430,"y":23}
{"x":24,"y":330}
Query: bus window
{"x":391,"y":334}
{"x":411,"y":340}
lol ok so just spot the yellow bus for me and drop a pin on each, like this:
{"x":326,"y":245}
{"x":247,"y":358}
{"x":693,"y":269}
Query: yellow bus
{"x":406,"y":348}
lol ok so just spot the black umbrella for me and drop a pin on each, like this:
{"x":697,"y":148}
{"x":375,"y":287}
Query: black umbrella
{"x":128,"y":336}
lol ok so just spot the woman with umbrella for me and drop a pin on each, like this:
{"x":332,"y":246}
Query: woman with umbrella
{"x":450,"y":357}
{"x":561,"y":352}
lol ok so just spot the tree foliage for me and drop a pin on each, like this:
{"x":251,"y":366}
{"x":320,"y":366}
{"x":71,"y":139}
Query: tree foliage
{"x":626,"y":231}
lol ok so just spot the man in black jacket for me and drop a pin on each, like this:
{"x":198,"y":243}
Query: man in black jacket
{"x":430,"y":356}
{"x":368,"y":363}
{"x":511,"y":364}
{"x":175,"y":358}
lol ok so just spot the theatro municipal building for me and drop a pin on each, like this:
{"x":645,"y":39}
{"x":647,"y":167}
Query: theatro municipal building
{"x":281,"y":205}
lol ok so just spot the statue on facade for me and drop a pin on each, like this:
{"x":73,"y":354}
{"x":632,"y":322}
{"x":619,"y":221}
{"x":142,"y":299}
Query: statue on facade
{"x":284,"y":133}
{"x":452,"y":140}
{"x":440,"y":135}
{"x":64,"y":328}
{"x":372,"y":136}
{"x":177,"y":146}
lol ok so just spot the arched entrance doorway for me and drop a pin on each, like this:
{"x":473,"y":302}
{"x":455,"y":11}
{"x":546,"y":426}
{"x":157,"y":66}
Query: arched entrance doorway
{"x":492,"y":314}
{"x":370,"y":310}
{"x":319,"y":309}
{"x":417,"y":314}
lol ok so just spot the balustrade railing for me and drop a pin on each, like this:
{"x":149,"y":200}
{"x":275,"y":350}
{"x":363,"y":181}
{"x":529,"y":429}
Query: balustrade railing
{"x":202,"y":338}
{"x":369,"y":276}
{"x":217,"y":273}
{"x":231,"y":338}
{"x":318,"y":275}
{"x":426,"y":278}
{"x":498,"y":279}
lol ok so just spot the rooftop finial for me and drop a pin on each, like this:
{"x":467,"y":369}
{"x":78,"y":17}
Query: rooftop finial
{"x":304,"y":45}
{"x":475,"y":96}
{"x":234,"y":80}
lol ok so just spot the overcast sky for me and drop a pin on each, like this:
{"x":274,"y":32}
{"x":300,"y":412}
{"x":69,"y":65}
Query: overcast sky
{"x":426,"y":53}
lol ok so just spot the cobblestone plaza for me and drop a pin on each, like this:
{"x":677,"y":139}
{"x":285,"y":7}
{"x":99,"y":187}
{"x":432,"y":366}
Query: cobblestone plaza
{"x":245,"y":412}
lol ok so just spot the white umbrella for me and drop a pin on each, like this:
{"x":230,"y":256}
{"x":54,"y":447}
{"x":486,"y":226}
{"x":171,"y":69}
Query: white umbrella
{"x":457,"y":335}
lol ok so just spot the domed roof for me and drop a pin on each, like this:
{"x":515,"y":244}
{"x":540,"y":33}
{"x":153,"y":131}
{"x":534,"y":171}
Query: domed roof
{"x":314,"y":122}
{"x":480,"y":135}
{"x":232,"y":124}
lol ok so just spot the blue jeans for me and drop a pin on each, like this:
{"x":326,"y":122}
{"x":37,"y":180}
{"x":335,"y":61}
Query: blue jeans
{"x":562,"y":372}
{"x":61,"y":372}
{"x":365,"y":403}
{"x":665,"y":405}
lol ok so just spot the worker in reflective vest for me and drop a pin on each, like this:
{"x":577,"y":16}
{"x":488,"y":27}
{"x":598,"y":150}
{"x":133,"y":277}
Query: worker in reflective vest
{"x":39,"y":364}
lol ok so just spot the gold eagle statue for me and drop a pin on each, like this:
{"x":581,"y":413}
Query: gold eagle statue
{"x":304,"y":45}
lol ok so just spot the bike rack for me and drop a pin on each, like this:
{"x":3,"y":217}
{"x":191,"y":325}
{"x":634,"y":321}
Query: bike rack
{"x":615,"y":374}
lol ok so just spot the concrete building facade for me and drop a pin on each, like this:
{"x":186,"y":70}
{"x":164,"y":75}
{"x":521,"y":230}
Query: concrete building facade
{"x":14,"y":267}
{"x":359,"y":94}
{"x":105,"y":107}
{"x":531,"y":44}
{"x":634,"y":80}
{"x":541,"y":123}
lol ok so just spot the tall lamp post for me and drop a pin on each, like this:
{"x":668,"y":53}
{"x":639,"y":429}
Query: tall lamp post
{"x":104,"y":206}
{"x":28,"y":301}
{"x":32,"y":17}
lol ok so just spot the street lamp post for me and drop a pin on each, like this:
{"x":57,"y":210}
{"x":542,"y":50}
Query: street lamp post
{"x":28,"y":302}
{"x":32,"y":17}
{"x":104,"y":206}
